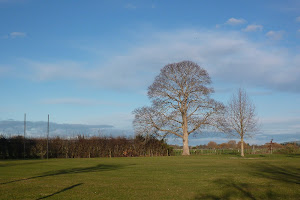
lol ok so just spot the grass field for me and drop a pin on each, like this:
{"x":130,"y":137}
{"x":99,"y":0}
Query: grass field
{"x":177,"y":177}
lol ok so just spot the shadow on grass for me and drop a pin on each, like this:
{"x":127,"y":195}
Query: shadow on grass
{"x":19,"y":163}
{"x":286,"y":174}
{"x":97,"y":168}
{"x":231,"y":189}
{"x":288,"y":177}
{"x":294,"y":155}
{"x":63,"y":190}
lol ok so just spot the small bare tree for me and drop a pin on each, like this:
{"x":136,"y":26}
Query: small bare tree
{"x":181,"y":103}
{"x":212,"y":145}
{"x":240,"y":116}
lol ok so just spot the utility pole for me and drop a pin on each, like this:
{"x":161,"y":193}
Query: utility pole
{"x":270,"y":146}
{"x":24,"y":132}
{"x":48,"y":138}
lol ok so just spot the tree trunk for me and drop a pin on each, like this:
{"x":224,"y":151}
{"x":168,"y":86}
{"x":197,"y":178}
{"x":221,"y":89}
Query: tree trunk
{"x":186,"y":150}
{"x":242,"y":147}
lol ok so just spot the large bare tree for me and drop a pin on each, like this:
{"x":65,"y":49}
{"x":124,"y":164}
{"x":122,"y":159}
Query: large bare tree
{"x":241,"y":117}
{"x":181,"y":103}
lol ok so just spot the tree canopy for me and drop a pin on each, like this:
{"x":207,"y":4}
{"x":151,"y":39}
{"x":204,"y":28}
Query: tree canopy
{"x":181,"y":103}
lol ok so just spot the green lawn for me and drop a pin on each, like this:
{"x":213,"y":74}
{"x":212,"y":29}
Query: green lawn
{"x":177,"y":177}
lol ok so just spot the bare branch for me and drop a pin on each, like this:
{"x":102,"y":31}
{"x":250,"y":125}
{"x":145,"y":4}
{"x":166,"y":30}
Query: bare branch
{"x":181,"y":103}
{"x":240,"y":116}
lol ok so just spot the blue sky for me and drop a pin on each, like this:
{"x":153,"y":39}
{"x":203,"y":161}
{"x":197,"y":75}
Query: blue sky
{"x":90,"y":62}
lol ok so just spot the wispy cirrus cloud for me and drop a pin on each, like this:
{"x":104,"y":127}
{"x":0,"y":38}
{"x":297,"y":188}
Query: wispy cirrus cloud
{"x":73,"y":101}
{"x":17,"y":34}
{"x":81,"y":101}
{"x":253,"y":28}
{"x":261,"y":93}
{"x":281,"y":125}
{"x":228,"y":56}
{"x":113,"y":75}
{"x":297,"y":19}
{"x":13,"y":1}
{"x":289,"y":6}
{"x":275,"y":35}
{"x":4,"y":70}
{"x":14,"y":35}
{"x":130,"y":6}
{"x":59,"y":70}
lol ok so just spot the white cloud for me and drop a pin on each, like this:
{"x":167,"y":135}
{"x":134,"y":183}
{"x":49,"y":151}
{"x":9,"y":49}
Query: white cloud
{"x":260,"y":93}
{"x":81,"y":101}
{"x":77,"y":101}
{"x":124,"y":120}
{"x":228,"y":56}
{"x":298,"y":19}
{"x":253,"y":28}
{"x":114,"y":74}
{"x":60,"y":70}
{"x":296,"y":126}
{"x":17,"y":34}
{"x":280,"y":125}
{"x":280,"y":120}
{"x":275,"y":35}
{"x":234,"y":21}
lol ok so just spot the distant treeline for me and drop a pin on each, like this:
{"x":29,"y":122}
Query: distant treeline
{"x":233,"y":147}
{"x":82,"y":147}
